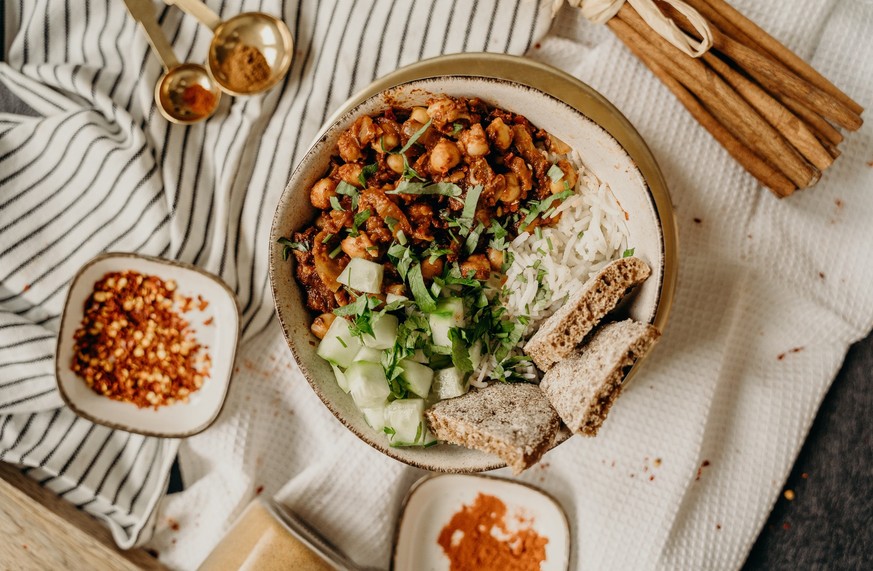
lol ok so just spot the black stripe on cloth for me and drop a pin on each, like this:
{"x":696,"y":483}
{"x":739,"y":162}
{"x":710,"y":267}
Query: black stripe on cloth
{"x":45,"y":432}
{"x":132,"y":468}
{"x":26,"y":341}
{"x":470,"y":26}
{"x":7,"y":405}
{"x":153,"y":468}
{"x":15,"y":382}
{"x":20,"y":436}
{"x":485,"y":46}
{"x":105,"y":478}
{"x":48,"y":357}
{"x":60,"y":442}
{"x":383,"y":32}
{"x":404,"y":33}
{"x":23,"y":145}
{"x":426,"y":32}
{"x":79,"y":447}
{"x":448,"y":27}
{"x":511,"y":27}
{"x":370,"y":25}
{"x":84,"y":475}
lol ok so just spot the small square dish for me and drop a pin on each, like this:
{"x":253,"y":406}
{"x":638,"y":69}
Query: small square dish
{"x":213,"y":320}
{"x":508,"y":514}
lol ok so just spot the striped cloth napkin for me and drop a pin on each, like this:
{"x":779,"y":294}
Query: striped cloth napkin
{"x":692,"y":457}
{"x":98,"y":169}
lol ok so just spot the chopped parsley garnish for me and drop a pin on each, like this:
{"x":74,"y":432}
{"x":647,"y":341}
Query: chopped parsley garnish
{"x":335,"y":252}
{"x":473,"y":239}
{"x":457,"y":128}
{"x":361,"y":312}
{"x":335,"y":203}
{"x":345,"y":189}
{"x":359,"y":219}
{"x":419,"y":290}
{"x":628,"y":253}
{"x":537,"y":207}
{"x":288,"y":245}
{"x":367,"y":172}
{"x":460,"y":353}
{"x":327,"y":238}
{"x":465,"y":222}
{"x":442,"y":188}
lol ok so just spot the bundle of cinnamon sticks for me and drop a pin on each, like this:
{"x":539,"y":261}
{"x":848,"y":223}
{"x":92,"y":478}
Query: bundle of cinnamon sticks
{"x":775,"y":114}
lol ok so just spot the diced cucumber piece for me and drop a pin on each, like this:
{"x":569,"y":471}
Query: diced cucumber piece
{"x":406,"y":418}
{"x":362,"y":275}
{"x":449,"y":313}
{"x":392,"y":297}
{"x":340,"y":378}
{"x":429,"y":438}
{"x":368,"y":384}
{"x":375,"y":417}
{"x":418,"y":377}
{"x":449,"y":383}
{"x":369,"y":354}
{"x":339,"y":346}
{"x":384,"y":332}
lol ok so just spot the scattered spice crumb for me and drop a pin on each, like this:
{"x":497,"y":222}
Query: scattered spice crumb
{"x":797,"y":349}
{"x":537,"y":46}
{"x":24,"y":546}
{"x":786,"y":526}
{"x":652,"y":477}
{"x":700,"y":470}
{"x":789,"y":495}
{"x":613,"y":464}
{"x":839,"y":203}
{"x":245,"y":68}
{"x":657,"y":462}
{"x":804,"y":475}
{"x":632,"y":475}
{"x":749,"y":236}
{"x":717,"y":526}
{"x":821,"y":275}
{"x":259,"y":490}
{"x":202,"y":304}
{"x":153,"y":552}
{"x":26,"y":287}
{"x":174,"y":541}
{"x":698,"y":221}
{"x":199,"y":100}
{"x":209,"y":321}
{"x":870,"y":163}
{"x":780,"y":356}
{"x":174,"y":525}
{"x":705,"y":463}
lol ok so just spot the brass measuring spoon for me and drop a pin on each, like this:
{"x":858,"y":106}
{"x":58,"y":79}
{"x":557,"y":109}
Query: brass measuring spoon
{"x":249,"y":53}
{"x":181,"y":86}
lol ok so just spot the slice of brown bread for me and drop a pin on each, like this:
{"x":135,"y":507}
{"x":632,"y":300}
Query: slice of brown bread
{"x":512,"y":420}
{"x":561,"y":333}
{"x":583,"y":386}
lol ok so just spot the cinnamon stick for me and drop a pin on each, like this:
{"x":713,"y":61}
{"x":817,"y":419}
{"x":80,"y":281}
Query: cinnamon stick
{"x":764,"y":172}
{"x":788,"y":58}
{"x":774,"y":76}
{"x":723,"y":102}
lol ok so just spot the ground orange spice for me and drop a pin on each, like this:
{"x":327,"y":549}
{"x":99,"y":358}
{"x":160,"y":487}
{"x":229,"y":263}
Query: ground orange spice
{"x":245,"y":68}
{"x":469,"y":542}
{"x":199,"y":100}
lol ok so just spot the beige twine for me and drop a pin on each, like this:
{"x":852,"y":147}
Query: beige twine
{"x":600,"y":11}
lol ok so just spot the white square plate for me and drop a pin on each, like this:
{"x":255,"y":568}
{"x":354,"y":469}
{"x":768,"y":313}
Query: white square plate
{"x":220,"y":337}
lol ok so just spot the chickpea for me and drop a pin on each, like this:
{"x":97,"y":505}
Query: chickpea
{"x":395,"y":163}
{"x":351,"y":173}
{"x":512,"y":190}
{"x":359,"y":246}
{"x":430,"y":270}
{"x":500,"y":134}
{"x":321,"y":193}
{"x":495,"y":257}
{"x":570,"y":177}
{"x":420,"y":115}
{"x":321,"y":324}
{"x":387,"y":141}
{"x":444,"y":156}
{"x":396,"y":289}
{"x":474,"y":140}
{"x":558,"y":146}
{"x":478,"y":265}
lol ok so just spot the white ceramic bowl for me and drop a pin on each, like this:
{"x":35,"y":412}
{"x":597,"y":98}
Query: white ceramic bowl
{"x":600,"y":152}
{"x":433,"y":500}
{"x":219,"y":336}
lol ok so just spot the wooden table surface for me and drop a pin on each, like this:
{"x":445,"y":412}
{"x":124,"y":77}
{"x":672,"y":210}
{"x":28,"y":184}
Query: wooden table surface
{"x":39,"y":531}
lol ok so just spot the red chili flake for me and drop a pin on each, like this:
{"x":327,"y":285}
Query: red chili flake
{"x":209,"y":321}
{"x":537,"y":46}
{"x":780,"y":356}
{"x":26,"y":287}
{"x":202,"y":304}
{"x":652,"y":477}
{"x":821,"y":275}
{"x":839,"y":203}
{"x":259,"y":490}
{"x":804,"y":475}
{"x":718,"y":526}
{"x":134,"y":345}
{"x":657,"y":462}
{"x":705,"y":463}
{"x":786,"y":526}
{"x":797,"y":349}
{"x":174,"y":525}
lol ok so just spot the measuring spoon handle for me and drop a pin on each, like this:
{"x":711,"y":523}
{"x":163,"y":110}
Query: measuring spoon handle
{"x":199,"y":10}
{"x":143,"y":11}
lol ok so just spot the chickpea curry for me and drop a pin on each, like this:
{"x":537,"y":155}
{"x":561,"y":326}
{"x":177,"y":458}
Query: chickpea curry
{"x":415,"y":214}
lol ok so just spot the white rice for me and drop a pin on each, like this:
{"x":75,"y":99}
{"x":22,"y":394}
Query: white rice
{"x":591,"y":233}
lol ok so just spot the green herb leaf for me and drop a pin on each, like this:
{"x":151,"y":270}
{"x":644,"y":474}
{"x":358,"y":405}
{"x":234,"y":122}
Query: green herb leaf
{"x":335,"y":252}
{"x":442,"y":188}
{"x":628,"y":253}
{"x":460,"y":353}
{"x":555,"y":173}
{"x":471,"y":201}
{"x":389,"y":431}
{"x":327,"y":238}
{"x":415,"y":136}
{"x":359,"y":219}
{"x":457,"y":128}
{"x":291,"y":245}
{"x":419,"y":291}
{"x":537,"y":207}
{"x":367,"y":172}
{"x":473,"y":239}
{"x":343,"y":343}
{"x":335,"y":203}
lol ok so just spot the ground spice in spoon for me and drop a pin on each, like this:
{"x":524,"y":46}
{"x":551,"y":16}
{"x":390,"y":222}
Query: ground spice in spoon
{"x":477,"y":537}
{"x":199,"y":100}
{"x":245,"y":68}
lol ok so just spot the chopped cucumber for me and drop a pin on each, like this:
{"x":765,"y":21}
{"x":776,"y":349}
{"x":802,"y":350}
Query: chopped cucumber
{"x":362,"y":275}
{"x":384,"y":332}
{"x":368,"y":384}
{"x":449,"y":383}
{"x":406,"y":419}
{"x":340,"y":378}
{"x":375,"y":417}
{"x":392,"y":297}
{"x":418,"y":377}
{"x":369,"y":354}
{"x":339,"y":346}
{"x":449,"y":313}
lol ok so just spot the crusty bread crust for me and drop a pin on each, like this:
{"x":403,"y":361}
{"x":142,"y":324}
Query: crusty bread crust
{"x":561,"y":333}
{"x":583,"y":387}
{"x":512,"y":420}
